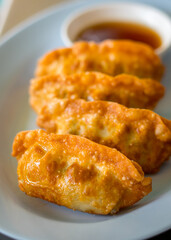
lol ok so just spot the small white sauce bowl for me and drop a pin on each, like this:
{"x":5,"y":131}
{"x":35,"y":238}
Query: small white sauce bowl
{"x":126,"y":12}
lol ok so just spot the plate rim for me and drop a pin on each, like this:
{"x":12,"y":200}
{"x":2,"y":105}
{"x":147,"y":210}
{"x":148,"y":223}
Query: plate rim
{"x":35,"y":18}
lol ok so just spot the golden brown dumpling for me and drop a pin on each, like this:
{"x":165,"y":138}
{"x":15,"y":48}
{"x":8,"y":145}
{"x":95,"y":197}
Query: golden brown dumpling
{"x":124,"y":89}
{"x":77,"y":173}
{"x":140,"y":134}
{"x":110,"y":57}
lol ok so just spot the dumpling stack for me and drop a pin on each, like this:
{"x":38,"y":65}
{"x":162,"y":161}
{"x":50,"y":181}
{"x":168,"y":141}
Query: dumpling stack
{"x":101,"y":93}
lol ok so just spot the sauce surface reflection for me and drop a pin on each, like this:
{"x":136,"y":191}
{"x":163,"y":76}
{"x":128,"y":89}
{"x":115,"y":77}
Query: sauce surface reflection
{"x":120,"y":30}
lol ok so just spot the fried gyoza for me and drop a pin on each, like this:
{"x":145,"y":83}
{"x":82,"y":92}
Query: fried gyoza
{"x":110,"y":57}
{"x":140,"y":134}
{"x":77,"y":173}
{"x":124,"y":89}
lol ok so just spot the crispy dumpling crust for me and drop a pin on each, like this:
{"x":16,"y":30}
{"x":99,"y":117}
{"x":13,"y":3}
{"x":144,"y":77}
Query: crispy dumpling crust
{"x":124,"y":89}
{"x":77,"y":173}
{"x":110,"y":57}
{"x":140,"y":134}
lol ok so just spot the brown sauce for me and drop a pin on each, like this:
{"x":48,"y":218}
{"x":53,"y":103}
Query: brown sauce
{"x":120,"y":30}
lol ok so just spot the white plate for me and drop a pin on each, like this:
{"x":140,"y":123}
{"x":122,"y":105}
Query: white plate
{"x":23,"y":217}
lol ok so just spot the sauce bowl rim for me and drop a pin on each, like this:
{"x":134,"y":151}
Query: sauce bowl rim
{"x":75,"y":15}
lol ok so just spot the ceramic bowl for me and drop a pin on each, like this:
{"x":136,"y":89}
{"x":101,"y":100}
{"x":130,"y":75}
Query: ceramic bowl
{"x":126,"y":12}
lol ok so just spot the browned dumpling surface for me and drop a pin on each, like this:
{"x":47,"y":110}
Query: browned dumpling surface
{"x":124,"y":89}
{"x":140,"y":134}
{"x":77,"y":173}
{"x":110,"y":57}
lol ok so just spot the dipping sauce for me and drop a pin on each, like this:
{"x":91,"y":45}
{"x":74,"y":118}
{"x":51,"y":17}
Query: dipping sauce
{"x":120,"y":30}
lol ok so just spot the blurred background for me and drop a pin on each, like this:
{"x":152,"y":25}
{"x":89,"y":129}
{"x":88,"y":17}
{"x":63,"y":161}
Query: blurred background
{"x":13,"y":12}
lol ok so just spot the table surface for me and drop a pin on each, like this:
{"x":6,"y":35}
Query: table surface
{"x":12,"y":14}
